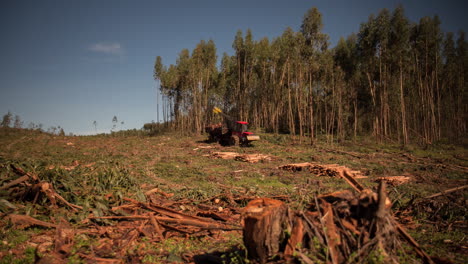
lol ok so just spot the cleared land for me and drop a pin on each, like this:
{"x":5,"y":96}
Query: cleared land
{"x":103,"y":178}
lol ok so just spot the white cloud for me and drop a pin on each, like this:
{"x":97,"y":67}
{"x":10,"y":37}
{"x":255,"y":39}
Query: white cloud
{"x":107,"y":48}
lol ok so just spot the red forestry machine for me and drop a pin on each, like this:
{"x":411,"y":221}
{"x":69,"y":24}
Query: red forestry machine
{"x":232,"y":133}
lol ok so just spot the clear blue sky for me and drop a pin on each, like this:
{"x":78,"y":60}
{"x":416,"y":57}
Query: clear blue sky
{"x":69,"y":63}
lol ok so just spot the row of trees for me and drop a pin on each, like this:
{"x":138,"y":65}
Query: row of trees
{"x":394,"y":79}
{"x":8,"y":121}
{"x":115,"y":121}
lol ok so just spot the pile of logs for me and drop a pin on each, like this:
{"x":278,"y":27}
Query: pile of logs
{"x":250,"y":158}
{"x":330,"y":170}
{"x":337,"y":228}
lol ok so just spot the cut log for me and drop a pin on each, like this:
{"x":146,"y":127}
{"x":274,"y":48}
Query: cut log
{"x":253,"y":158}
{"x":394,"y":180}
{"x":265,"y":222}
{"x":296,"y":166}
{"x":225,"y":155}
{"x":250,"y":158}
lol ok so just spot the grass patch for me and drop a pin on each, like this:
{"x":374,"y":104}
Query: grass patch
{"x":97,"y":172}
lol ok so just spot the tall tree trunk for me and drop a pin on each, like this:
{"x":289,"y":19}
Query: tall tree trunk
{"x":311,"y":110}
{"x":402,"y":107}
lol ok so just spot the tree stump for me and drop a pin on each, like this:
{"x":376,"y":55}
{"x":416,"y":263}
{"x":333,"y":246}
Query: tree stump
{"x":265,"y":224}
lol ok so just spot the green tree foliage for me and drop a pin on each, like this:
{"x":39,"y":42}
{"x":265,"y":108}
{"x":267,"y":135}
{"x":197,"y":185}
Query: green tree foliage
{"x":7,"y":118}
{"x":114,"y":122}
{"x":393,"y":79}
{"x":95,"y":125}
{"x":17,"y":123}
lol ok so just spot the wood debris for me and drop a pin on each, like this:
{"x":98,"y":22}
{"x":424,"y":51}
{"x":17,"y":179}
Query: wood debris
{"x":24,"y":221}
{"x":250,"y":158}
{"x":336,"y":228}
{"x":225,"y":155}
{"x":447,"y":192}
{"x":123,"y":227}
{"x":330,"y":170}
{"x":394,"y":180}
{"x":253,"y":158}
{"x":32,"y":188}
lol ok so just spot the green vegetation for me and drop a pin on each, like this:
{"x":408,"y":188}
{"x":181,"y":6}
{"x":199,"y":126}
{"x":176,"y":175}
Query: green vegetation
{"x":386,"y":101}
{"x":98,"y":172}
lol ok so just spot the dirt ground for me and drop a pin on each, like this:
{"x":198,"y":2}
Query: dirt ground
{"x":173,"y":199}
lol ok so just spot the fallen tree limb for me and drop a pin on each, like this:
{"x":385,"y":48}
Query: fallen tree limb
{"x":446,"y":192}
{"x":345,"y":174}
{"x":196,"y":223}
{"x":166,"y":211}
{"x":15,"y":182}
{"x":414,"y":244}
{"x":35,"y":185}
{"x":156,"y":226}
{"x":100,"y":260}
{"x":24,"y":221}
{"x":49,"y":191}
{"x":21,"y":172}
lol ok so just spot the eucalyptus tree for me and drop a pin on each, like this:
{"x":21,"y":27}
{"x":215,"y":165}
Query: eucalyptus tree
{"x":367,"y":43}
{"x":426,"y":40}
{"x":288,"y":58}
{"x":7,"y":118}
{"x":346,"y":59}
{"x":168,"y":79}
{"x":238,"y":46}
{"x":227,"y":83}
{"x":17,"y":123}
{"x":244,"y":63}
{"x":114,"y":122}
{"x":382,"y":37}
{"x":181,"y":88}
{"x":385,"y":80}
{"x":95,"y":126}
{"x":263,"y":88}
{"x":400,"y":51}
{"x":460,"y":88}
{"x":203,"y":74}
{"x":315,"y":44}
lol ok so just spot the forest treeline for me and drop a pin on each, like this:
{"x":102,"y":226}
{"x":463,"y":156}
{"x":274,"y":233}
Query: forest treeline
{"x":395,"y":79}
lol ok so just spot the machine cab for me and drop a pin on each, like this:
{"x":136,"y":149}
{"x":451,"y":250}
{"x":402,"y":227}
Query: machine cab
{"x":241,"y":126}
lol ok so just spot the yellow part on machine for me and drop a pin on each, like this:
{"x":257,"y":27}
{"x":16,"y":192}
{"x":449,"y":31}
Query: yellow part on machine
{"x":253,"y":138}
{"x":216,"y":110}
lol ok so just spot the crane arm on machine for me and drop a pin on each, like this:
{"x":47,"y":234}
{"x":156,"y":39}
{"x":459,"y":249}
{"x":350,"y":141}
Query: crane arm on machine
{"x":237,"y":130}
